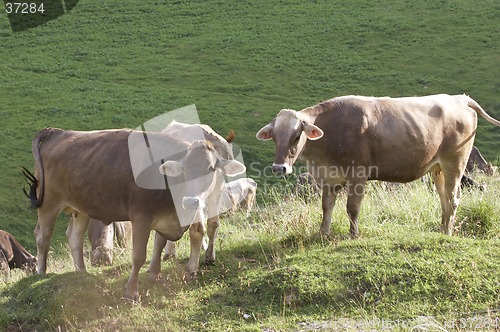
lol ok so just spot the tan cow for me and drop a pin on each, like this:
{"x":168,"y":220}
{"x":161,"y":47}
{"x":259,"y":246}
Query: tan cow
{"x":240,"y":192}
{"x":203,"y":171}
{"x":102,"y":238}
{"x":101,"y":174}
{"x":190,"y":133}
{"x":13,"y":254}
{"x":348,"y":140}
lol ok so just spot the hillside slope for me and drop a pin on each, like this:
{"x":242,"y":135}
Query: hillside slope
{"x":119,"y":63}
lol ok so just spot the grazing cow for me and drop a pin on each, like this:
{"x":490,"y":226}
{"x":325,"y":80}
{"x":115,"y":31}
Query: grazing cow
{"x":348,"y":140}
{"x":477,"y":160}
{"x":240,"y":192}
{"x":112,"y":175}
{"x":189,"y":133}
{"x":13,"y":255}
{"x":102,"y":238}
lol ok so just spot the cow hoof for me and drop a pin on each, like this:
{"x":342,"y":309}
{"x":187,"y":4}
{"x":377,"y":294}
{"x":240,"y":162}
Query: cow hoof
{"x":190,"y":276}
{"x":166,"y":257}
{"x":132,"y":297}
{"x":210,"y":261}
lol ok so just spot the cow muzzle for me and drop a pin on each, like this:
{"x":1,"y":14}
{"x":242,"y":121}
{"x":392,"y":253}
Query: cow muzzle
{"x":281,"y":169}
{"x":192,"y":203}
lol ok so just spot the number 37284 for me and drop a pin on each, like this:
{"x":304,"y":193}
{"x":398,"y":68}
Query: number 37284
{"x":23,"y":8}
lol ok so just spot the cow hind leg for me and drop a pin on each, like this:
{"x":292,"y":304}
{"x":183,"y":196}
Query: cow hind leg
{"x":76,"y":233}
{"x":43,"y":234}
{"x":355,"y":193}
{"x":170,"y":251}
{"x":453,"y":195}
{"x":447,"y":184}
{"x":155,"y":264}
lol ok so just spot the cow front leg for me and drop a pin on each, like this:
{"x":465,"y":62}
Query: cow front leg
{"x":76,"y":233}
{"x":155,"y":264}
{"x":140,"y":236}
{"x":355,"y":193}
{"x":212,"y":230}
{"x":328,"y":198}
{"x":195,"y":238}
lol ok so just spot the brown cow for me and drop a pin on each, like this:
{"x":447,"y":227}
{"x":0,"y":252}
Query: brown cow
{"x":13,"y":255}
{"x":349,"y":140}
{"x":102,"y":237}
{"x":111,"y":175}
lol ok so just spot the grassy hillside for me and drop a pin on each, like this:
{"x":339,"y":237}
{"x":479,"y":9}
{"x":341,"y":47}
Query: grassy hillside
{"x":274,"y":273}
{"x":114,"y":64}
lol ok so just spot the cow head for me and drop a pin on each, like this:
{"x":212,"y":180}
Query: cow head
{"x":203,"y":169}
{"x":290,"y":134}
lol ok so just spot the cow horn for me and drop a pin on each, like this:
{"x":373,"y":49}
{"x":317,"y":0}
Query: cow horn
{"x":230,"y":136}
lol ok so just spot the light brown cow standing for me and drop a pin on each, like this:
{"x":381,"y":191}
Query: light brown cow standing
{"x":102,"y":237}
{"x":91,"y":174}
{"x":349,"y":140}
{"x":240,"y":192}
{"x":189,"y":133}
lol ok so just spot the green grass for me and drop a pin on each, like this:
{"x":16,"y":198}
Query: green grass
{"x":274,"y":271}
{"x":117,"y":64}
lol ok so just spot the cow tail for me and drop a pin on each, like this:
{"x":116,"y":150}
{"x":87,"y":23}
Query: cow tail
{"x":475,"y":106}
{"x":36,"y":200}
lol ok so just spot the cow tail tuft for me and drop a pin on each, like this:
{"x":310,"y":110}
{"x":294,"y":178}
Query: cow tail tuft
{"x":33,"y":183}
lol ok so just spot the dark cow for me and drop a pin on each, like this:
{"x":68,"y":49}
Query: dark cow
{"x":13,"y":255}
{"x":110,"y":175}
{"x":349,"y":140}
{"x":477,"y":160}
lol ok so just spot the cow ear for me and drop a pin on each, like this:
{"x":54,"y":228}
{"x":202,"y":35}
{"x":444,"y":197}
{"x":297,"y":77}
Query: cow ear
{"x":265,"y":133}
{"x":231,"y":167}
{"x":313,"y":132}
{"x":171,"y":168}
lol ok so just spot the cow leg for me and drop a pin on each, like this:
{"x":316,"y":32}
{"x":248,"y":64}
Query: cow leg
{"x":438,"y":178}
{"x":453,"y":195}
{"x":43,"y":234}
{"x":328,"y":199}
{"x":355,"y":193}
{"x":140,"y":236}
{"x":155,"y":264}
{"x":214,"y":202}
{"x":195,"y":238}
{"x":170,"y":250}
{"x":76,"y":233}
{"x":212,"y":231}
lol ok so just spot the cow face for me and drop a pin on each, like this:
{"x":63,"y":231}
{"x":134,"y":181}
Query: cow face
{"x":203,"y":170}
{"x":290,"y":134}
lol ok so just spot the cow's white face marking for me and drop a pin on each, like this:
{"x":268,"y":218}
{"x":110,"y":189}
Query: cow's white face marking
{"x":290,"y":134}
